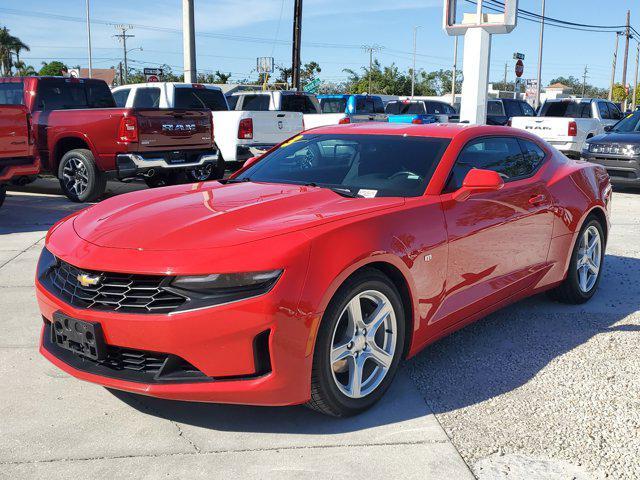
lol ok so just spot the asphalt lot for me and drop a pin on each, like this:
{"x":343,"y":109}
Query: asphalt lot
{"x":538,"y":391}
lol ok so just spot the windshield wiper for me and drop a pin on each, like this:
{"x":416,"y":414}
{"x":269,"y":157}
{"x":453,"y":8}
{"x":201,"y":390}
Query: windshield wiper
{"x":235,"y":180}
{"x":345,"y":192}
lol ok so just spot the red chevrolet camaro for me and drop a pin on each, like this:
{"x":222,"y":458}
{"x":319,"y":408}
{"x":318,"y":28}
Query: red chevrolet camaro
{"x":310,"y":274}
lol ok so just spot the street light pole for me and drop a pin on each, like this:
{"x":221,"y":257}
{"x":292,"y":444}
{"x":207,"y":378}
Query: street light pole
{"x":413,"y":72}
{"x":89,"y":42}
{"x":189,"y":41}
{"x":539,"y":89}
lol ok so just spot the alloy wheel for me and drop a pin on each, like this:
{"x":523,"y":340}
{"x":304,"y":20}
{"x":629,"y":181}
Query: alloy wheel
{"x":203,"y":173}
{"x":363,"y":344}
{"x":75,"y":176}
{"x":589,"y":258}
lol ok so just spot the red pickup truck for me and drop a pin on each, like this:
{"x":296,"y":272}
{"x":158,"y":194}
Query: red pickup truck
{"x":16,"y":145}
{"x":82,"y":138}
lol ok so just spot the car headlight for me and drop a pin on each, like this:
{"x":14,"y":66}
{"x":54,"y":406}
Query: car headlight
{"x":632,"y":150}
{"x":218,"y":288}
{"x":46,"y":262}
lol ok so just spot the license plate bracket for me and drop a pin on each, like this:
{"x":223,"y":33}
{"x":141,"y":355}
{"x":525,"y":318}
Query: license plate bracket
{"x":79,"y":336}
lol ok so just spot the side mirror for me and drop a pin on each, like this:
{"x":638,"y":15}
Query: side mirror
{"x":250,"y":162}
{"x":608,"y":128}
{"x":478,"y":181}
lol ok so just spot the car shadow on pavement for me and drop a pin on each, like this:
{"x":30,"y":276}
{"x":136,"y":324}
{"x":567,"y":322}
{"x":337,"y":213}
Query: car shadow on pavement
{"x":491,"y":357}
{"x":401,"y":403}
{"x":508,"y":348}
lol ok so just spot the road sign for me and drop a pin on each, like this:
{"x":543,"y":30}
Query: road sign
{"x":153,"y":74}
{"x":264,"y":64}
{"x":519,"y":68}
{"x":518,"y":56}
{"x":531,"y":90}
{"x":312,"y":86}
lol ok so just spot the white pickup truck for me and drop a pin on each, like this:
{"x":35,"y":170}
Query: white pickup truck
{"x":569,"y":122}
{"x":318,"y":112}
{"x":239,"y":135}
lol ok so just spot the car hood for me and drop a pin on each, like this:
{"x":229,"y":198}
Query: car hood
{"x":214,"y":215}
{"x":613,"y":137}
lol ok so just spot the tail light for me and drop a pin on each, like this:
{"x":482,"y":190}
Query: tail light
{"x":573,"y":129}
{"x":128,"y":131}
{"x":417,"y":121}
{"x":344,"y":121}
{"x":245,"y":129}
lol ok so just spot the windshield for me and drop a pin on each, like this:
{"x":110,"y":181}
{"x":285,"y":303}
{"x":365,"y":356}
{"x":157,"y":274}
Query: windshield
{"x":631,"y":123}
{"x":365,"y":165}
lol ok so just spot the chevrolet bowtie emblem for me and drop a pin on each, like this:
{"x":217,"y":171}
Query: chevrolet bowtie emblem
{"x":87,"y":280}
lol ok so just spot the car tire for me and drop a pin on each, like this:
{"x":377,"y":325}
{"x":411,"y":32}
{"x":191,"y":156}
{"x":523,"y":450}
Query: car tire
{"x":165,"y":179}
{"x":80,"y":178}
{"x":3,"y":194}
{"x":582,"y":282}
{"x":344,"y":347}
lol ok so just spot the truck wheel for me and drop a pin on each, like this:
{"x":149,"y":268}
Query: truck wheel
{"x":3,"y":193}
{"x":207,"y":172}
{"x":164,"y":179}
{"x":80,"y":179}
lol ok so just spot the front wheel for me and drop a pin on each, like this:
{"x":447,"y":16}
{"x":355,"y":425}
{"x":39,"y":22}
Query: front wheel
{"x":80,"y":179}
{"x":585,"y":267}
{"x":359,"y":346}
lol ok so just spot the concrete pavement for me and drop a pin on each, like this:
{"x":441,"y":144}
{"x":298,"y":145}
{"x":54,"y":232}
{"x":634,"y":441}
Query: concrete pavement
{"x":54,"y":426}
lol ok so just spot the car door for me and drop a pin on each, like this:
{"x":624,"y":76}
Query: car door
{"x":498,"y":241}
{"x":14,"y":132}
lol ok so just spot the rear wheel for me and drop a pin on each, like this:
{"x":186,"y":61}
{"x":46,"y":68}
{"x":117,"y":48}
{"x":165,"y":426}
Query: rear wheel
{"x":80,"y":179}
{"x":359,"y":346}
{"x":209,"y":171}
{"x":585,"y":267}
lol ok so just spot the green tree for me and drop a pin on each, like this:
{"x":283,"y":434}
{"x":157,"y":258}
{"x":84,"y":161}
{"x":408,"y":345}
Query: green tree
{"x":619,"y":93}
{"x":53,"y":69}
{"x":9,"y":46}
{"x":575,"y":83}
{"x":24,"y":70}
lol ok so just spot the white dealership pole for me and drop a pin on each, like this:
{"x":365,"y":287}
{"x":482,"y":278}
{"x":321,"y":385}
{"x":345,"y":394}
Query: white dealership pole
{"x":539,"y":89}
{"x":413,"y":72}
{"x":189,"y":41}
{"x":477,"y":30}
{"x":89,"y":42}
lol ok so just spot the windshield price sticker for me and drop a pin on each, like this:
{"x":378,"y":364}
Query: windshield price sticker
{"x":363,"y":192}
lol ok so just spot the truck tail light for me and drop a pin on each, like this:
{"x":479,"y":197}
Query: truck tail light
{"x":211,"y":123}
{"x":245,"y":129}
{"x":344,"y":121}
{"x":417,"y":121}
{"x":573,"y":129}
{"x":128,"y":131}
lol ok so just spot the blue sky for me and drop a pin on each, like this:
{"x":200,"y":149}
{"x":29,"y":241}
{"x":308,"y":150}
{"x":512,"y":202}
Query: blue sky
{"x":235,"y":32}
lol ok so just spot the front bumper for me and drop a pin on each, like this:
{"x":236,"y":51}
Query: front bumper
{"x":132,"y":164}
{"x":220,"y":342}
{"x":622,"y":170}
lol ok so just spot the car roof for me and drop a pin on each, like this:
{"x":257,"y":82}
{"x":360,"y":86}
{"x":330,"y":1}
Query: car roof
{"x":433,"y":130}
{"x":175,"y":84}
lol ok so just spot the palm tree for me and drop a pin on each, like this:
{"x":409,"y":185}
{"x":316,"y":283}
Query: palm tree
{"x":24,"y":70}
{"x":9,"y":45}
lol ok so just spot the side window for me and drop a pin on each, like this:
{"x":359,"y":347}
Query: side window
{"x":121,"y":97}
{"x":586,"y":110}
{"x":392,"y":108}
{"x":528,"y":110}
{"x":512,"y":109}
{"x":255,"y":103}
{"x":615,"y":112}
{"x":232,"y":100}
{"x":500,"y":154}
{"x":99,"y":95}
{"x":533,"y":155}
{"x":148,"y":97}
{"x":604,"y":111}
{"x":378,"y":106}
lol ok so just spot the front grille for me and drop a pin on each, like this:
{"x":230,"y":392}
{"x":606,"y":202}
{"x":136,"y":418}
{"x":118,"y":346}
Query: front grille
{"x":621,"y":173}
{"x":114,"y":291}
{"x":609,"y":148}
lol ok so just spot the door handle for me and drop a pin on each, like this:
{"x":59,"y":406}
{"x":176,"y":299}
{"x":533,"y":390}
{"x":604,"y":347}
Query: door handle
{"x":537,"y":199}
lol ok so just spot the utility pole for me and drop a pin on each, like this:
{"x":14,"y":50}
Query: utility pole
{"x":584,"y":80}
{"x":89,"y":41}
{"x":613,"y":66}
{"x":188,"y":42}
{"x":626,"y":55}
{"x":635,"y":83}
{"x":297,"y":40}
{"x":505,"y":75}
{"x":371,"y":49}
{"x":122,"y":36}
{"x":413,"y":72}
{"x":539,"y":89}
{"x":454,"y":74}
